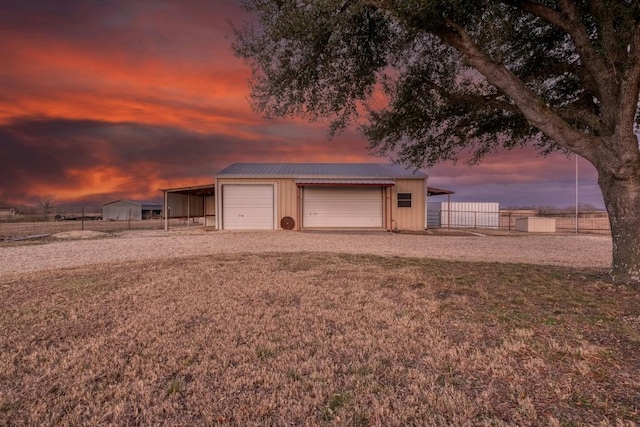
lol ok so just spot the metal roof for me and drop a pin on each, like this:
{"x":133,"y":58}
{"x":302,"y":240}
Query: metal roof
{"x":144,"y":203}
{"x":338,"y":182}
{"x":324,"y":170}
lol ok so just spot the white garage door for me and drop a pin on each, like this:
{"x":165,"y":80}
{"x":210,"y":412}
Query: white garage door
{"x":247,"y":207}
{"x":351,"y":207}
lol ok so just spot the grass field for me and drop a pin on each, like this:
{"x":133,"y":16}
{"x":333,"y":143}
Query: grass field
{"x":318,"y":339}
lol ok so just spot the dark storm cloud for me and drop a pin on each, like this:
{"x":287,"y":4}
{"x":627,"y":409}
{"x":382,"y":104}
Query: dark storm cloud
{"x":38,"y":152}
{"x":41,"y":154}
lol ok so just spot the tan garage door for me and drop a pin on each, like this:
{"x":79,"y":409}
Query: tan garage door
{"x":247,"y":207}
{"x":342,"y":207}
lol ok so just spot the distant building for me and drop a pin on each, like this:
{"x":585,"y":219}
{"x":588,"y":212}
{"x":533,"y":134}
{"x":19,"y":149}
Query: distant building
{"x":134,"y":210}
{"x":7,"y":211}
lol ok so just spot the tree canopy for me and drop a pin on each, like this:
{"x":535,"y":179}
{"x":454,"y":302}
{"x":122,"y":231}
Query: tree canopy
{"x":438,"y":63}
{"x":463,"y":76}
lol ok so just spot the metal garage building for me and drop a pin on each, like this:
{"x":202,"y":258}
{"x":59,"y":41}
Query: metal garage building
{"x":131,"y":210}
{"x":269,"y":196}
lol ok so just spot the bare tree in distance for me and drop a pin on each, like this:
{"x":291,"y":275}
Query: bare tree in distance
{"x":46,"y":204}
{"x":465,"y":76}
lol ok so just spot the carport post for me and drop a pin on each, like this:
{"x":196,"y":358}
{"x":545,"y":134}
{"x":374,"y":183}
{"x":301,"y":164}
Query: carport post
{"x":299,"y":207}
{"x":166,"y":221}
{"x":188,"y":203}
{"x":449,"y":211}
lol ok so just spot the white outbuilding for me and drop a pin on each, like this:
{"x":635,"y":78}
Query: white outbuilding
{"x":131,"y":210}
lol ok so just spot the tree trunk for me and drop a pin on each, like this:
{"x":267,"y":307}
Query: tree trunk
{"x":622,"y":198}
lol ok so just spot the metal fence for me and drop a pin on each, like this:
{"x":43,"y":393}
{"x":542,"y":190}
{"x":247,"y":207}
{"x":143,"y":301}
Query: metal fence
{"x":586,"y":222}
{"x":592,"y":221}
{"x":24,"y":225}
{"x":29,"y":224}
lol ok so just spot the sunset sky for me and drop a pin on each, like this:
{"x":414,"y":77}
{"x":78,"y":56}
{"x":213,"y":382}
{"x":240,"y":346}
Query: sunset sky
{"x":101,"y":101}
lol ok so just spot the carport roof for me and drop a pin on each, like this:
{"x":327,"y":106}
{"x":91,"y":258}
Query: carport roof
{"x":194,"y":190}
{"x":320,"y":170}
{"x":433,"y":191}
{"x":144,"y":203}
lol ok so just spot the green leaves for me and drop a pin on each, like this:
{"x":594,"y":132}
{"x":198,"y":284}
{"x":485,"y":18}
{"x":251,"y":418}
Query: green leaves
{"x":315,"y":60}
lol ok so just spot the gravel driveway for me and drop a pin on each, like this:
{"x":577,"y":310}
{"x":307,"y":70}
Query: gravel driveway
{"x":567,"y":250}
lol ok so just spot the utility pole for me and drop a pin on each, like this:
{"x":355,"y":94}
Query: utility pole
{"x":577,"y":202}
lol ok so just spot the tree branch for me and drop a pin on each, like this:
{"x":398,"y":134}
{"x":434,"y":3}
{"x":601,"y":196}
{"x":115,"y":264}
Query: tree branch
{"x":570,"y":22}
{"x":630,"y":88}
{"x":606,"y":31}
{"x":553,"y":68}
{"x":583,"y":117}
{"x":530,"y":104}
{"x":469,"y":98}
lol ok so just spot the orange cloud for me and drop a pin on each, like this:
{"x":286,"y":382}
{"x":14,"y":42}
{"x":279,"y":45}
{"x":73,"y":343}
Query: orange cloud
{"x":55,"y":79}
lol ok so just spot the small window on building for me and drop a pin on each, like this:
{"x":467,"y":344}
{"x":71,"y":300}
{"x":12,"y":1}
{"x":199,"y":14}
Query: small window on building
{"x":404,"y":200}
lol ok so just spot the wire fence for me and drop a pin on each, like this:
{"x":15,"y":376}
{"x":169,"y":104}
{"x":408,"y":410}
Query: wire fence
{"x":584,"y":222}
{"x":593,"y":221}
{"x":32,"y":224}
{"x":29,"y":224}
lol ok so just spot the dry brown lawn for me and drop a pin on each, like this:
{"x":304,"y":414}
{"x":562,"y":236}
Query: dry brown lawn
{"x":318,"y":339}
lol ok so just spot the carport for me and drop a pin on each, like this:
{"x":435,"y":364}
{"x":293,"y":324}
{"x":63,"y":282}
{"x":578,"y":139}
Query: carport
{"x":190,"y":203}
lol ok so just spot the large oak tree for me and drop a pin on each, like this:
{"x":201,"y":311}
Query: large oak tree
{"x":465,"y":76}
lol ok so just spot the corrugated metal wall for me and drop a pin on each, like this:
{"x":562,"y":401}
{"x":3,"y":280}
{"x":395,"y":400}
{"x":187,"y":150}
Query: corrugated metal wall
{"x":181,"y":204}
{"x":409,"y":218}
{"x":433,"y":215}
{"x":210,"y":211}
{"x":121,"y":211}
